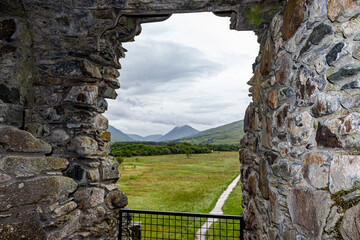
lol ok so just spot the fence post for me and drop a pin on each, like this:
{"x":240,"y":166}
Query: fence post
{"x":120,"y":225}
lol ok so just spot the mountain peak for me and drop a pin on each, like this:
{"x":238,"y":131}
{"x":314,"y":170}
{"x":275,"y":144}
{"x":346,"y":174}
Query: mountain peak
{"x":179,"y":132}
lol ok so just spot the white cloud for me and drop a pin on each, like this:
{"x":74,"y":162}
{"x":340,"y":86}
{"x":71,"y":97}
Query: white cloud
{"x":190,"y":69}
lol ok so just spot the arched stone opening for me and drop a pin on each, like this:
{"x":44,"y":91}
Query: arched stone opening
{"x":59,"y":64}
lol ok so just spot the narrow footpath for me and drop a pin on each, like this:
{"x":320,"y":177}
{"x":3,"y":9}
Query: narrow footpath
{"x":200,"y":234}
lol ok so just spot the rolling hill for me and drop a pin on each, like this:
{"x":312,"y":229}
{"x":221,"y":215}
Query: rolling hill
{"x":178,"y":132}
{"x":118,"y":136}
{"x":227,"y":134}
{"x":150,"y":138}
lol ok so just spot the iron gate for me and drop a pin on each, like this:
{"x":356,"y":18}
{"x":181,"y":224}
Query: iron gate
{"x":143,"y":224}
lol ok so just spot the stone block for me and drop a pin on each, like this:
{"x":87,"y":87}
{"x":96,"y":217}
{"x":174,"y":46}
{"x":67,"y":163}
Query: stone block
{"x":11,"y":114}
{"x":35,"y":191}
{"x":344,"y":72}
{"x":350,"y":225}
{"x":64,"y":209}
{"x":300,"y":128}
{"x":4,"y":177}
{"x":83,"y":146}
{"x":283,"y":69}
{"x":101,"y":122}
{"x":31,"y":166}
{"x":287,"y":170}
{"x":316,"y":169}
{"x":23,"y":229}
{"x":263,"y":181}
{"x":110,"y":170}
{"x":326,"y":138}
{"x":89,"y":197}
{"x":344,"y":173}
{"x":83,"y":94}
{"x":116,"y":199}
{"x":266,"y":133}
{"x":334,"y":53}
{"x":351,"y":27}
{"x":293,"y":17}
{"x":15,"y":140}
{"x":72,"y":224}
{"x":309,"y":210}
{"x":326,"y":103}
{"x":272,"y":99}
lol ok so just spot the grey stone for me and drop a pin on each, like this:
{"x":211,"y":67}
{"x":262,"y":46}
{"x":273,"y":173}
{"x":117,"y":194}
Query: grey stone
{"x":287,"y":170}
{"x":316,"y":169}
{"x":332,"y":56}
{"x":344,"y":72}
{"x":64,"y":209}
{"x":326,"y":103}
{"x":351,"y":85}
{"x":317,"y":35}
{"x":42,"y":190}
{"x":344,"y":173}
{"x":116,"y":199}
{"x":357,"y":37}
{"x":83,"y":146}
{"x":283,"y":69}
{"x":300,"y":128}
{"x":332,"y":219}
{"x":31,"y":166}
{"x":350,"y":225}
{"x":89,"y":197}
{"x":4,"y":177}
{"x":72,"y":224}
{"x":110,"y":170}
{"x":351,"y":27}
{"x":309,"y":210}
{"x":11,"y":114}
{"x":83,"y":94}
{"x":22,"y":229}
{"x":101,"y":122}
{"x":59,"y":135}
{"x":351,"y":102}
{"x":15,"y":140}
{"x":351,"y":196}
{"x":276,"y":214}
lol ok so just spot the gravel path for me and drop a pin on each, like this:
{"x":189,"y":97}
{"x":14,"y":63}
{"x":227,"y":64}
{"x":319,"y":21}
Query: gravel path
{"x":200,"y":234}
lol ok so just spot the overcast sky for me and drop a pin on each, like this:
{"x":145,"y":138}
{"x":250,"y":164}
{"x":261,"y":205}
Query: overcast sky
{"x":188,"y":70}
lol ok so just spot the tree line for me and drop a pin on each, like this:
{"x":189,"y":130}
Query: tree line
{"x":152,"y":148}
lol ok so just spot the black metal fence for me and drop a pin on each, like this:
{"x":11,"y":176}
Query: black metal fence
{"x":141,"y":224}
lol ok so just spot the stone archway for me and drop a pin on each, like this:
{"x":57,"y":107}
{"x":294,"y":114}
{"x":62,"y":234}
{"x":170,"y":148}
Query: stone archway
{"x":59,"y":63}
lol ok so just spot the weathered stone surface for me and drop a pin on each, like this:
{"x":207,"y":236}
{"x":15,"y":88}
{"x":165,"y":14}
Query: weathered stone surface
{"x":317,"y":35}
{"x":83,"y":94}
{"x":4,"y":177}
{"x":110,"y":170}
{"x":266,"y":132}
{"x":252,"y":185}
{"x":59,"y":135}
{"x":333,"y":218}
{"x":351,"y":27}
{"x":101,"y":122}
{"x":350,"y":225}
{"x":351,"y":196}
{"x":325,"y":138}
{"x":283,"y":69}
{"x":11,"y":114}
{"x":316,"y":169}
{"x":89,"y":197}
{"x":266,"y":57}
{"x":71,"y":225}
{"x":351,"y":85}
{"x":344,"y":72}
{"x":272,"y":99}
{"x":263,"y":181}
{"x":332,"y":56}
{"x":281,"y":118}
{"x":350,"y":124}
{"x":344,"y":173}
{"x":300,"y":128}
{"x":77,"y":173}
{"x":64,"y":209}
{"x":308,"y":210}
{"x":31,"y":166}
{"x":356,"y":53}
{"x":276,"y":215}
{"x":15,"y":140}
{"x":116,"y":199}
{"x":357,"y":37}
{"x":337,"y":7}
{"x":7,"y":29}
{"x":326,"y":103}
{"x":35,"y":191}
{"x":83,"y":145}
{"x":249,"y":119}
{"x":287,"y":170}
{"x":23,"y":229}
{"x":293,"y":17}
{"x":351,"y":102}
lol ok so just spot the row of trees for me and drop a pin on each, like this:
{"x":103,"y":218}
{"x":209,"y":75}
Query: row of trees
{"x":152,"y":149}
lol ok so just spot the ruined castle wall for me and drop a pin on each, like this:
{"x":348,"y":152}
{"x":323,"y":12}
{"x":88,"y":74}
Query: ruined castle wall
{"x":59,"y":61}
{"x":301,"y":165}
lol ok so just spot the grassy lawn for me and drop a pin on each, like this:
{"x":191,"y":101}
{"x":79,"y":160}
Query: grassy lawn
{"x":178,"y":183}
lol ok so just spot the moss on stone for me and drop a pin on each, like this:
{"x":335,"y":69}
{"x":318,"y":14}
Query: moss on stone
{"x":253,"y":15}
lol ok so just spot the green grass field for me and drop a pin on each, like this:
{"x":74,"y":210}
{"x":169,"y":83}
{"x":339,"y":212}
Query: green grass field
{"x":178,"y":183}
{"x":182,"y":184}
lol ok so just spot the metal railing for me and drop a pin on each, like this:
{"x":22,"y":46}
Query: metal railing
{"x":141,"y":224}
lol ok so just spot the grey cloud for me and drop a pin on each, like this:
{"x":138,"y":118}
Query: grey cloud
{"x":153,"y":62}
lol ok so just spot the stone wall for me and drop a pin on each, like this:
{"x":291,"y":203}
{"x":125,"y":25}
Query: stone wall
{"x":301,"y":165}
{"x":60,"y":61}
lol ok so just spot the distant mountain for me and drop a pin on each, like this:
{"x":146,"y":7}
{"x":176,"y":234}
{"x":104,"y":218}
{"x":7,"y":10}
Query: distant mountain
{"x":178,"y":132}
{"x":119,"y":136}
{"x":227,"y":134}
{"x":150,"y":138}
